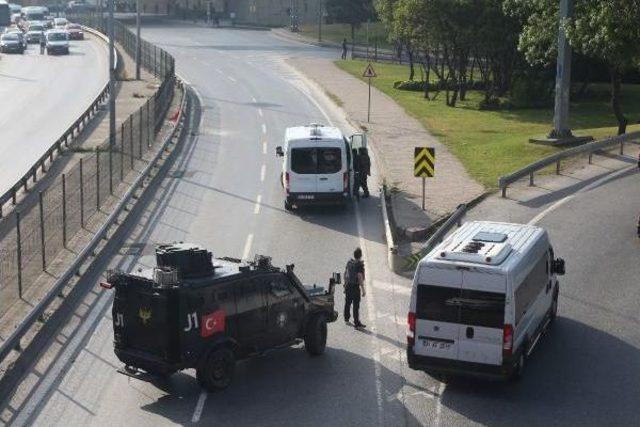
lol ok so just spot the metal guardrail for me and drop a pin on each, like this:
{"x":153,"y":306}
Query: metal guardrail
{"x":454,"y":220}
{"x":590,"y":149}
{"x":13,"y":342}
{"x":56,"y":147}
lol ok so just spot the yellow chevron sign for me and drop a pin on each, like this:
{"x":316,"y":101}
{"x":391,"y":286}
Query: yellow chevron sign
{"x":424,"y":162}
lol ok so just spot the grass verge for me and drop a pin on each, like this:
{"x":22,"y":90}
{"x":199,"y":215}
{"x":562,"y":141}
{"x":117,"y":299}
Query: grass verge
{"x":494,"y":143}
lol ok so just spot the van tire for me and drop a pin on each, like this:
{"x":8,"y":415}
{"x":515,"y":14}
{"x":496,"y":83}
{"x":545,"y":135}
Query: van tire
{"x":518,"y":368}
{"x":553,"y":311}
{"x":288,"y":206}
{"x":315,"y":338}
{"x":216,"y":368}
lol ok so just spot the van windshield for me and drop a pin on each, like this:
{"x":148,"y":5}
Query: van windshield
{"x":321,"y":160}
{"x":463,"y":306}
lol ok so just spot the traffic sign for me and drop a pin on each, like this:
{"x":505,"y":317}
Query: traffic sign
{"x":424,"y":162}
{"x":369,"y":71}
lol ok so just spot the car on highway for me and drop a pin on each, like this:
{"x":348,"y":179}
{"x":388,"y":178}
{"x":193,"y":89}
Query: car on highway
{"x":34,"y":13}
{"x":57,"y":42}
{"x":317,"y":166}
{"x":196,"y":311}
{"x":16,"y":18}
{"x":60,"y":23}
{"x":12,"y":43}
{"x":482,"y":299}
{"x":75,"y":31}
{"x":35,"y":32}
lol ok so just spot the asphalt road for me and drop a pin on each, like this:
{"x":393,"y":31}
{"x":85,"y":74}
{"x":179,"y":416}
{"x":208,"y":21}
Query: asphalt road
{"x":586,"y":371}
{"x":40,"y":97}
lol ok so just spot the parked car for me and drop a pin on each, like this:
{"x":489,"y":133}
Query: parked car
{"x":75,"y":31}
{"x":11,"y":43}
{"x":34,"y":33}
{"x":57,"y":42}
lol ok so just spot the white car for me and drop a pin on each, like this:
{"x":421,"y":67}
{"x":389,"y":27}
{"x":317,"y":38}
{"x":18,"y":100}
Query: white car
{"x":482,"y":299}
{"x":60,"y":23}
{"x":57,"y":42}
{"x":317,"y":165}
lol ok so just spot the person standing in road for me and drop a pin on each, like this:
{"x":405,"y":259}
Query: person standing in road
{"x":364,"y":161}
{"x":43,"y":43}
{"x":354,"y":288}
{"x":344,"y":49}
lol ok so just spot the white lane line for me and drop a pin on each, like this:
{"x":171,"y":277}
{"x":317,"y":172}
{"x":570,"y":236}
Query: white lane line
{"x":247,"y":247}
{"x":253,"y":98}
{"x":263,"y":172}
{"x":256,"y":208}
{"x":589,"y":187}
{"x":439,"y":391}
{"x":264,"y":129}
{"x":197,"y":413}
{"x":264,"y":147}
{"x":218,"y":70}
{"x":260,"y":112}
{"x":231,"y":79}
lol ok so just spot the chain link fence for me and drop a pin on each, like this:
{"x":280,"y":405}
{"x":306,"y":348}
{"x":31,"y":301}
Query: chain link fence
{"x":35,"y":235}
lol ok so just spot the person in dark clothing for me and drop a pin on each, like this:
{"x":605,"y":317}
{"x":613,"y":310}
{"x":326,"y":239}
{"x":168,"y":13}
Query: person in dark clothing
{"x":344,"y":49}
{"x":356,"y":173}
{"x":364,"y":161}
{"x":43,"y":43}
{"x":354,"y":288}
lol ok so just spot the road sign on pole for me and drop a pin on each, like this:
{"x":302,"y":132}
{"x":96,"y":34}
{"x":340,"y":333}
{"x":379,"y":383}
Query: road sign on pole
{"x":369,"y":73}
{"x":424,"y":166}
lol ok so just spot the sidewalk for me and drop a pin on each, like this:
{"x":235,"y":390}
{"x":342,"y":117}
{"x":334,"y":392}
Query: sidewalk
{"x":393,"y":135}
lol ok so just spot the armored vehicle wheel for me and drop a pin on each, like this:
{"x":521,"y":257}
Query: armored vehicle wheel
{"x":315,"y":339}
{"x":215,"y":369}
{"x":288,"y":206}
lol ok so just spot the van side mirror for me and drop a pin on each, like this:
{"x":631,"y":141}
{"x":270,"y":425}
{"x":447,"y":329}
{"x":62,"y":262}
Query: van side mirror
{"x":559,"y":267}
{"x":279,"y":152}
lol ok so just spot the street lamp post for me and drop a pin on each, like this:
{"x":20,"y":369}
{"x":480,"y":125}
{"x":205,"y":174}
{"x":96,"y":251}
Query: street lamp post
{"x":138,"y":47}
{"x":112,"y":91}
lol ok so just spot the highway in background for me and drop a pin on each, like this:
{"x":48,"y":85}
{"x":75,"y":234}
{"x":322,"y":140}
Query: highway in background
{"x":223,"y":192}
{"x":41,"y":96}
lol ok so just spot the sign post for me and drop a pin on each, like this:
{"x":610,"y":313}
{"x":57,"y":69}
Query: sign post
{"x":369,"y":73}
{"x":424,"y":166}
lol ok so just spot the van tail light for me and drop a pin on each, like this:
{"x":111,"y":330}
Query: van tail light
{"x":106,"y":285}
{"x":286,"y":182}
{"x":345,"y":181}
{"x":507,"y":340}
{"x":411,"y":333}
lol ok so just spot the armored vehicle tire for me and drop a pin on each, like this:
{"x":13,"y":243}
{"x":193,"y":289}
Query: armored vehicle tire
{"x":315,"y":339}
{"x":288,"y":206}
{"x":215,"y":369}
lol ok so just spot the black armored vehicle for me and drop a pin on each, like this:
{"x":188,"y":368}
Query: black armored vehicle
{"x":196,"y":311}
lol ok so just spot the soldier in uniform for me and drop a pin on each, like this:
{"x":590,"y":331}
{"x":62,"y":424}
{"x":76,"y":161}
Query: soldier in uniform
{"x":354,"y":288}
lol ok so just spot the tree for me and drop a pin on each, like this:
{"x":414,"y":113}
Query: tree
{"x":602,"y":30}
{"x":352,"y":12}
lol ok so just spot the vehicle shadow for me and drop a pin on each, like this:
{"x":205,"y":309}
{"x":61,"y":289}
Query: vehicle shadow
{"x":287,"y":387}
{"x":578,"y":375}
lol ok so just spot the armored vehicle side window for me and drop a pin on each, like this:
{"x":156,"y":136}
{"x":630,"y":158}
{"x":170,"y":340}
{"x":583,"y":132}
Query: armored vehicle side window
{"x":279,"y":287}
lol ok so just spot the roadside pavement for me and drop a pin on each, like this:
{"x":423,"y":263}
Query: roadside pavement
{"x":393,"y":135}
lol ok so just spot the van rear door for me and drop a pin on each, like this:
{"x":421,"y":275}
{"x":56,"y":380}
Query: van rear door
{"x":437,"y":328}
{"x":330,"y":165}
{"x":303,"y":170}
{"x":481,"y":316}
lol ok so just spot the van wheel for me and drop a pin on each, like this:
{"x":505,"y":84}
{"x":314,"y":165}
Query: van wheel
{"x":215,"y":369}
{"x":288,"y":206}
{"x":518,"y":369}
{"x":315,"y":339}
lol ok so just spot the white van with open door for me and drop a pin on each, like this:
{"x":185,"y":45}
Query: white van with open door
{"x":482,"y":299}
{"x":317,"y":165}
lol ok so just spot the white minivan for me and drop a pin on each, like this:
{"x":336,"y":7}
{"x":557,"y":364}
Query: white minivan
{"x":317,"y":165}
{"x":482,"y":299}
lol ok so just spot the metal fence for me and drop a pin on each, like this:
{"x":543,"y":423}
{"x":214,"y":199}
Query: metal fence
{"x":41,"y":227}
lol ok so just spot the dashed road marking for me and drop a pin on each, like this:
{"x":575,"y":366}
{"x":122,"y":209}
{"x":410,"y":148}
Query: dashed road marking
{"x":264,"y":147}
{"x":253,"y":98}
{"x":264,"y":129}
{"x":247,"y":247}
{"x":263,"y":172}
{"x":197,"y":413}
{"x":260,"y":112}
{"x":256,"y":208}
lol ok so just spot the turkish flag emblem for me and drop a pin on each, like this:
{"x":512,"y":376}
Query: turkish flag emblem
{"x":212,"y":323}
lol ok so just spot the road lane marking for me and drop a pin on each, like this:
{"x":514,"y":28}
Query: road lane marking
{"x":253,"y":98}
{"x":231,"y":79}
{"x":260,"y":112}
{"x":256,"y":208}
{"x":264,"y":129}
{"x":263,"y":172}
{"x":197,"y":413}
{"x":247,"y":247}
{"x":589,"y":187}
{"x":264,"y":147}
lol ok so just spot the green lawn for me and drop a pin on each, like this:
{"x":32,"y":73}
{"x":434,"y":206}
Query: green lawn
{"x":493,"y":143}
{"x":338,"y":32}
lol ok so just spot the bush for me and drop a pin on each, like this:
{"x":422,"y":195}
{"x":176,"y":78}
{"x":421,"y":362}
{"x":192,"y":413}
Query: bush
{"x":410,"y":85}
{"x":495,"y":104}
{"x":528,"y":92}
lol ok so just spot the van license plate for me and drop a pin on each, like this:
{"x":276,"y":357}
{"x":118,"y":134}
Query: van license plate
{"x":306,"y":197}
{"x":441,"y":345}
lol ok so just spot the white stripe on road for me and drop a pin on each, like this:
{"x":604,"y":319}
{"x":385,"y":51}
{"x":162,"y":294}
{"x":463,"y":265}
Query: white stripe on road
{"x":197,"y":413}
{"x":264,"y":129}
{"x":256,"y":208}
{"x":247,"y":247}
{"x":253,"y":98}
{"x":232,"y":79}
{"x":263,"y":172}
{"x":264,"y":147}
{"x":260,"y":112}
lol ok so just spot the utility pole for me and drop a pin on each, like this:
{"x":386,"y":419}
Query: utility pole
{"x":319,"y":21}
{"x":138,"y":40}
{"x":112,"y":86}
{"x":563,"y":77}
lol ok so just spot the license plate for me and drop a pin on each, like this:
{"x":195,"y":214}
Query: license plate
{"x":306,"y":197}
{"x":440,"y":345}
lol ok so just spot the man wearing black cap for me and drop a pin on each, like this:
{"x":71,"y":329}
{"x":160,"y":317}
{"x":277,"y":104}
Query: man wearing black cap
{"x":354,"y":288}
